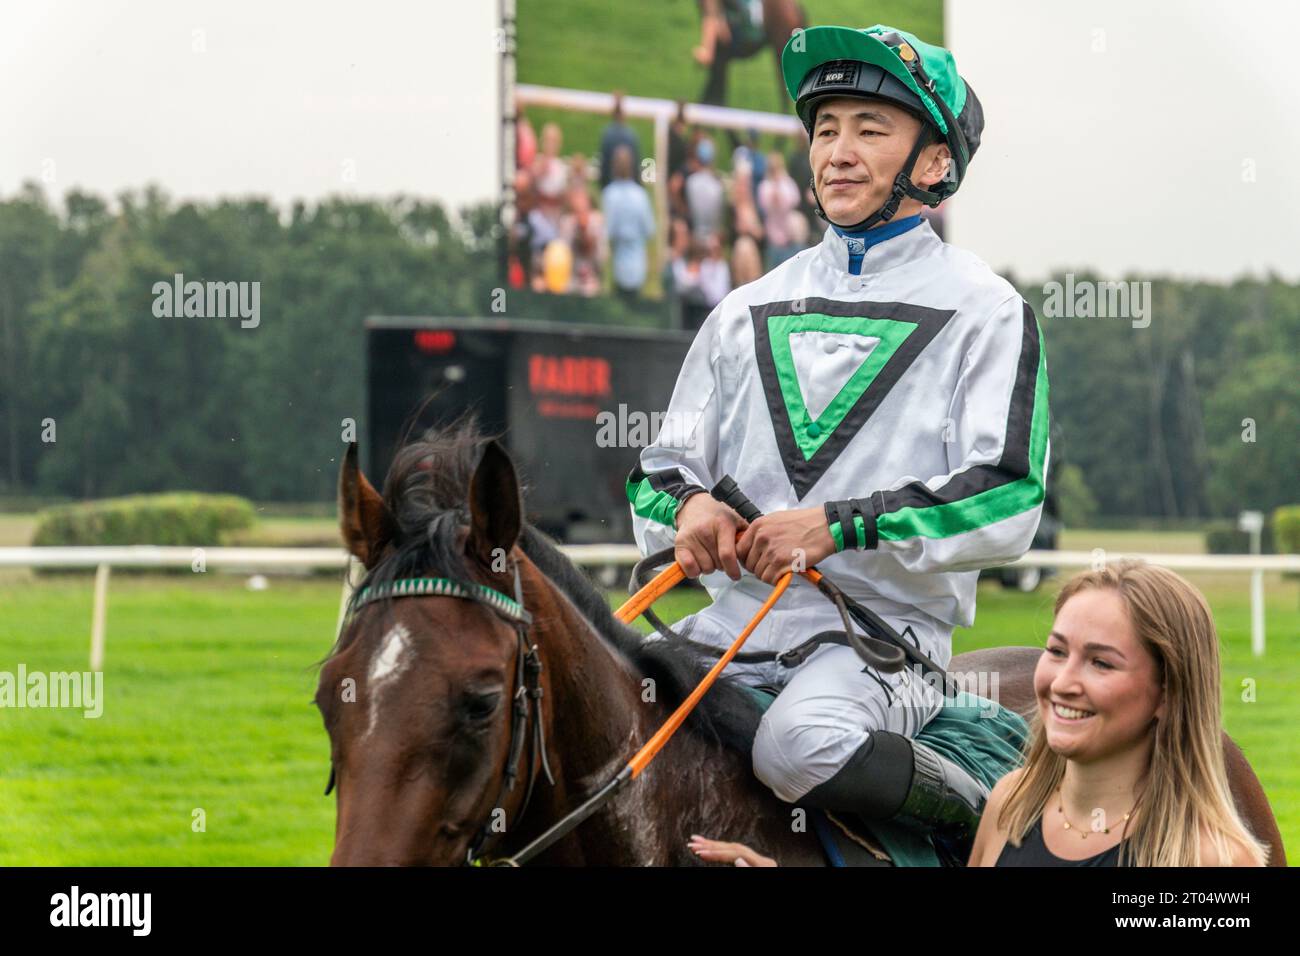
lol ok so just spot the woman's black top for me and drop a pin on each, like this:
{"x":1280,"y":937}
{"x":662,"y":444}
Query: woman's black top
{"x":1034,"y":852}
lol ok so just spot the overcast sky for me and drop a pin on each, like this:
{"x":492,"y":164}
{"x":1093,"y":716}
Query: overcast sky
{"x":1121,"y":135}
{"x":288,"y":99}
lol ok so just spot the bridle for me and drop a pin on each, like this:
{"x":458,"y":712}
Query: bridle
{"x":527,"y":694}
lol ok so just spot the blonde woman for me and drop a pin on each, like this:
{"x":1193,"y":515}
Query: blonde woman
{"x":1125,"y":755}
{"x":1125,"y":760}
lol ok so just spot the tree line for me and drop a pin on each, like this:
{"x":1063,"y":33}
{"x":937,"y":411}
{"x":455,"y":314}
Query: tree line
{"x":1194,"y":415}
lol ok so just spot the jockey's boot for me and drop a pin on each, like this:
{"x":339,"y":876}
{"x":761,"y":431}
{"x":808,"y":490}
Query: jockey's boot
{"x":892,"y":777}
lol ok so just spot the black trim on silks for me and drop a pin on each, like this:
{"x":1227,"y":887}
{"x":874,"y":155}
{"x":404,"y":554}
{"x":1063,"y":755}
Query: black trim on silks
{"x":832,"y":517}
{"x":1014,"y":463}
{"x":873,"y":783}
{"x":843,"y":512}
{"x":670,"y":480}
{"x":848,"y":527}
{"x":803,"y":474}
{"x":868,"y":511}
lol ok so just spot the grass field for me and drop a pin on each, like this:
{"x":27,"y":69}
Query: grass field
{"x":645,"y":50}
{"x":208,"y":688}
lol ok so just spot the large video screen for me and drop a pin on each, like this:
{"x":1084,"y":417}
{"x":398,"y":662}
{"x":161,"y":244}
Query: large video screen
{"x":655,"y":156}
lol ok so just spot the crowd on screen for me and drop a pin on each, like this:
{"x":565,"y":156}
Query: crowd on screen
{"x":583,"y":227}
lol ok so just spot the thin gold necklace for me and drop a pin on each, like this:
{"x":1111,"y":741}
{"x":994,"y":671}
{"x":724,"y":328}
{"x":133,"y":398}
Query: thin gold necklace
{"x":1083,"y":834}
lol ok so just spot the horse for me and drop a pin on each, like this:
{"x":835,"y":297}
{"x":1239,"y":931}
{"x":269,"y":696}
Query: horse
{"x":422,"y":697}
{"x":780,"y":19}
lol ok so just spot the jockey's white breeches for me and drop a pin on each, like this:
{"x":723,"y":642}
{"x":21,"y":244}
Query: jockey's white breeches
{"x":828,"y":705}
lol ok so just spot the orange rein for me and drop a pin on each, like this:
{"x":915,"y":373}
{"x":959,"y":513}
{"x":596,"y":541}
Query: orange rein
{"x":658,"y":586}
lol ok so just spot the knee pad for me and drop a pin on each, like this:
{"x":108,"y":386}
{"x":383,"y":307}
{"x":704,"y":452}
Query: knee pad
{"x":874,"y":783}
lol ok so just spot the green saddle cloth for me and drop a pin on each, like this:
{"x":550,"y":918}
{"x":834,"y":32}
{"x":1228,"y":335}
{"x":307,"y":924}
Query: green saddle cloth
{"x":983,"y":738}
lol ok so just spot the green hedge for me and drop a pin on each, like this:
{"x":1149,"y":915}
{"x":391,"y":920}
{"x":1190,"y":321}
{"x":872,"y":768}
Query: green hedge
{"x":1286,"y":529}
{"x":1222,"y":537}
{"x":174,"y":518}
{"x":1075,"y":499}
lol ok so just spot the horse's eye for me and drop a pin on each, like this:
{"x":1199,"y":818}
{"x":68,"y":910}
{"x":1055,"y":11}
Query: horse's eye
{"x":478,"y":707}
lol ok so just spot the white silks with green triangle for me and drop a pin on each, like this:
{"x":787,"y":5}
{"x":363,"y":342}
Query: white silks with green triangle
{"x":917,"y":389}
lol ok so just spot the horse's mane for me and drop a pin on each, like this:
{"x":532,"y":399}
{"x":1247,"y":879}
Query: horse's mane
{"x":728,"y":714}
{"x":426,"y":492}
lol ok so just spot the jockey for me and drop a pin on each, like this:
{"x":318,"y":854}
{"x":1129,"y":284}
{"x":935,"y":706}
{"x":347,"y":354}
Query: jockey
{"x":882,"y":398}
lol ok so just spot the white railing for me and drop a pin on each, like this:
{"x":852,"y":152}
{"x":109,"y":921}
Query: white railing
{"x":201,"y":560}
{"x":1256,"y":564}
{"x":301,"y":560}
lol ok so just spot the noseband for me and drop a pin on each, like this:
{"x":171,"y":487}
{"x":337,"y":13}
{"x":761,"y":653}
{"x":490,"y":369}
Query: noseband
{"x":528,"y":668}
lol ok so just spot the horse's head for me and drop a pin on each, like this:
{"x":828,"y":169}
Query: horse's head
{"x":417,"y":694}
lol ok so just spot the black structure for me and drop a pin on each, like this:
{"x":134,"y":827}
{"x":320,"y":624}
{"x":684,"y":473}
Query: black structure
{"x":575,"y":404}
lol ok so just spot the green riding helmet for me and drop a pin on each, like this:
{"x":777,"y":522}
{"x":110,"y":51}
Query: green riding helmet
{"x":883,"y":63}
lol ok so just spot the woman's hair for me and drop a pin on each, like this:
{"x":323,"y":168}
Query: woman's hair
{"x":1184,"y":792}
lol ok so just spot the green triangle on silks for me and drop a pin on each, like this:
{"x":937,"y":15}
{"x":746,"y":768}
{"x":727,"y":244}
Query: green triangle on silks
{"x":811,"y":433}
{"x":889,"y":337}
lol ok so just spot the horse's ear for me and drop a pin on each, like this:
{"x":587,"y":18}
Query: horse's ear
{"x":494,"y":505}
{"x":365,"y":520}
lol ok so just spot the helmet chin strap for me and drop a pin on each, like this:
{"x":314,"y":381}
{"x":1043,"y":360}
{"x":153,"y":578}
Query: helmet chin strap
{"x":903,"y":188}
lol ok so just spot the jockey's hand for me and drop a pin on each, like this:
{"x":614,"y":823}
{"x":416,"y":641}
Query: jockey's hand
{"x":706,"y":537}
{"x":716,"y":851}
{"x":784,"y":541}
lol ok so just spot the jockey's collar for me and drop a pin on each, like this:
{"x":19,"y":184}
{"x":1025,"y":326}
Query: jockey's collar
{"x":860,"y":241}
